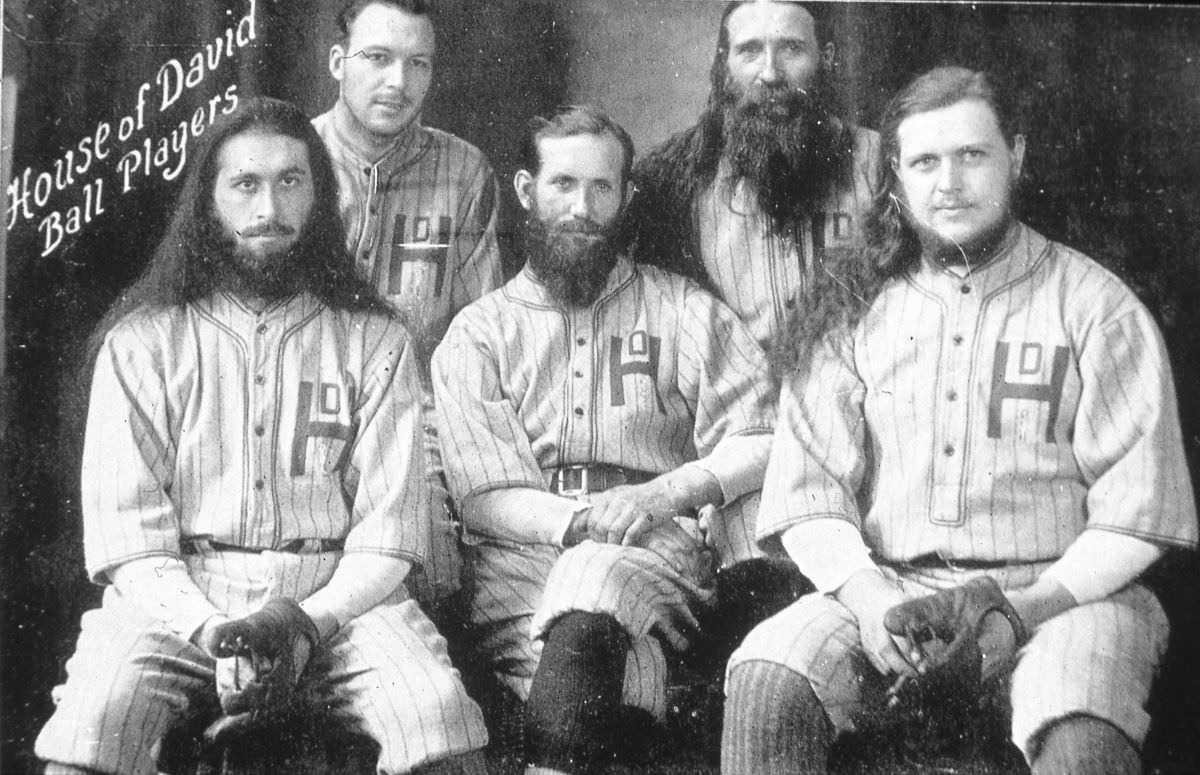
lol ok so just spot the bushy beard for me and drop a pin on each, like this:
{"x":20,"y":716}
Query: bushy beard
{"x":970,"y":253}
{"x":785,"y":145}
{"x":272,"y":277}
{"x":573,"y":259}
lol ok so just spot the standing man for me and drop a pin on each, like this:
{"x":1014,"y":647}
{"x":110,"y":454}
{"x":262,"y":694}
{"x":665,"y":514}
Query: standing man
{"x":419,"y":205}
{"x":588,"y":408}
{"x":978,"y":455}
{"x":746,"y":200}
{"x":252,"y":480}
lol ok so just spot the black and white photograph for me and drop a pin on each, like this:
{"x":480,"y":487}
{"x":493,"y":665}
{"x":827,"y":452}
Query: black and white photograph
{"x":523,"y":387}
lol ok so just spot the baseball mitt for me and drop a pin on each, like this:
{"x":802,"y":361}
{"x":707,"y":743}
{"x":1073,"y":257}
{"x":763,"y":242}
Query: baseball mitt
{"x":257,"y":662}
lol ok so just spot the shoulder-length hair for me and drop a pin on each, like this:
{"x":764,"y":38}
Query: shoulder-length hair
{"x":849,"y":280}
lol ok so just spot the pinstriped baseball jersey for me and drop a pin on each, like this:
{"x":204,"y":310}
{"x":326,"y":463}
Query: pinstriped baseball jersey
{"x":756,"y":271}
{"x":1005,"y":412}
{"x":653,"y":375}
{"x":421,"y":222}
{"x":210,"y":419}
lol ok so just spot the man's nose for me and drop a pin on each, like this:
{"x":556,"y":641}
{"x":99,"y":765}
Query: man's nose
{"x":582,"y":203}
{"x":950,"y":175}
{"x":770,"y":73}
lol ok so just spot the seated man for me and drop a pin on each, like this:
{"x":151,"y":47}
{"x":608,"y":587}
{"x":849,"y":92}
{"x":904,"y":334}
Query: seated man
{"x":978,"y":454}
{"x":252,"y":476}
{"x":587,"y":409}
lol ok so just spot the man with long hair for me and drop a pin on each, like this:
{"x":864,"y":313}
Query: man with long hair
{"x":589,"y":407}
{"x":252,"y":475}
{"x":746,"y":200}
{"x":978,"y":454}
{"x":419,"y":205}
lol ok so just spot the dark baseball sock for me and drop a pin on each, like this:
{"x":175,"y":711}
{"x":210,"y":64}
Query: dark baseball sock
{"x":774,"y":723}
{"x":1086,"y":745}
{"x":576,"y":693}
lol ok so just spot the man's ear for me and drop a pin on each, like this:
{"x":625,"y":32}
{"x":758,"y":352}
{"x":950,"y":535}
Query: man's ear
{"x":828,"y":55}
{"x":630,"y":190}
{"x":1017,"y":155}
{"x":523,"y":183}
{"x":337,"y":56}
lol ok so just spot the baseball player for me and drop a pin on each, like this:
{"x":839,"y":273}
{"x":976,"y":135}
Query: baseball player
{"x":746,"y":200}
{"x":978,"y":453}
{"x":586,"y":409}
{"x":252,"y":481}
{"x":419,"y":206}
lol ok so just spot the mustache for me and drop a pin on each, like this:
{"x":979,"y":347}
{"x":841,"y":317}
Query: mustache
{"x":269,"y":229}
{"x":584,"y":226}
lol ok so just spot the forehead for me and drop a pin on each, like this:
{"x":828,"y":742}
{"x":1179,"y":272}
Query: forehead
{"x":261,"y":153}
{"x":763,"y":21}
{"x":967,"y":122}
{"x":386,"y":26}
{"x":583,"y":156}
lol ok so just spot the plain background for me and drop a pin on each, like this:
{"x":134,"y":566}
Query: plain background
{"x":1112,"y":97}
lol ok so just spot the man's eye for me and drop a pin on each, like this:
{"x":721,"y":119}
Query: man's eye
{"x":924,"y":163}
{"x":972,"y":154}
{"x":421,"y":64}
{"x":244,"y":185}
{"x":603,"y":188}
{"x":374,"y":56}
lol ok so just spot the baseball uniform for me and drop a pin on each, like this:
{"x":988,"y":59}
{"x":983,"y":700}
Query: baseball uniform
{"x":979,"y":423}
{"x":654,"y":375}
{"x":421,"y":223}
{"x":729,"y":244}
{"x":222,"y":436}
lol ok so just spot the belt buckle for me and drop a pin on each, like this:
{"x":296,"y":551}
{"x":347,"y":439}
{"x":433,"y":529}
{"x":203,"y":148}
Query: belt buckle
{"x":573,"y":492}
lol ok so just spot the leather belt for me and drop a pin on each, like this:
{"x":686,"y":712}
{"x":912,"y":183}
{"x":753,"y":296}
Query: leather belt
{"x":575,"y":480}
{"x":935,"y":561}
{"x":202,"y":544}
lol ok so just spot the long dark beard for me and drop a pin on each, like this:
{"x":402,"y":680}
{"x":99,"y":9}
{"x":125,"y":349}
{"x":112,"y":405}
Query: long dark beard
{"x":787,"y":147}
{"x":276,"y":276}
{"x":573,"y":260}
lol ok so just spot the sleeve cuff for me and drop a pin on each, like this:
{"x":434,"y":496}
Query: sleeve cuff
{"x":828,"y":551}
{"x":738,"y":464}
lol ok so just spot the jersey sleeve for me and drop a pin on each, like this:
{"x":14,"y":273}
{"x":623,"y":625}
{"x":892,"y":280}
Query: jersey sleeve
{"x":819,"y":455}
{"x":734,"y":393}
{"x":385,"y":479}
{"x":481,"y":270}
{"x":1128,"y":441}
{"x":484,"y":443}
{"x":128,"y":455}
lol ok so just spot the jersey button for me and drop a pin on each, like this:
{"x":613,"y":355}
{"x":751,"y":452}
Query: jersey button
{"x":259,"y":430}
{"x":259,"y":484}
{"x":948,"y":450}
{"x":965,"y":289}
{"x":952,"y":395}
{"x":259,"y":379}
{"x":262,"y":328}
{"x":958,"y":339}
{"x":581,"y":341}
{"x":579,"y":411}
{"x":578,"y":373}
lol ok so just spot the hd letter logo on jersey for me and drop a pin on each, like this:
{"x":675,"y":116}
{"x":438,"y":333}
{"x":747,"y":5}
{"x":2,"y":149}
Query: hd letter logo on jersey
{"x":1032,"y":372}
{"x":328,"y":408}
{"x":642,"y":354}
{"x":422,"y":244}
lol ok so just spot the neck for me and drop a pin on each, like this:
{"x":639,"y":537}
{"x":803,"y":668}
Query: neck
{"x":370,"y":145}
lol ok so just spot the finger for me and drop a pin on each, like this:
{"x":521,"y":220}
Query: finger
{"x":643,"y":524}
{"x":623,"y":516}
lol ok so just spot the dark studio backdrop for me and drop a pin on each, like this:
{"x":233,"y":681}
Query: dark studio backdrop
{"x":1112,"y":96}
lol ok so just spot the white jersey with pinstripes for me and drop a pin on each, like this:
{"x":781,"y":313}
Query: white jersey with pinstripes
{"x":651,"y":376}
{"x":420,"y":221}
{"x":992,"y":416}
{"x":254,"y":429}
{"x":757,"y":271}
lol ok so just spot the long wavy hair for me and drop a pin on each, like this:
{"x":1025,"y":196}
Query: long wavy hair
{"x":850,"y":279}
{"x":188,"y":265}
{"x":670,"y":178}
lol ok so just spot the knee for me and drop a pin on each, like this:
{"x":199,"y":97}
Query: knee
{"x":1086,"y":745}
{"x":584,"y":632}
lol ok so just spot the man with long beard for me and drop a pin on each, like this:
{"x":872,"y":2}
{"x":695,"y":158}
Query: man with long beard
{"x":252,"y":475}
{"x":746,"y":200}
{"x":587,"y":409}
